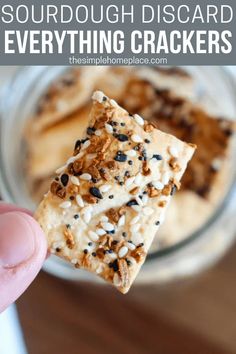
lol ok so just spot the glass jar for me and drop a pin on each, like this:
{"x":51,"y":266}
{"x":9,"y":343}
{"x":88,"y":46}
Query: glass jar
{"x":215,"y":89}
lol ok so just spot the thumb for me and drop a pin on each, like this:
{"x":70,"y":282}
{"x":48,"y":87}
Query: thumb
{"x":22,"y":253}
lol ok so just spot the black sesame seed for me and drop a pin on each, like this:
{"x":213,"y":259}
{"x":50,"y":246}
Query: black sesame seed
{"x":95,"y":192}
{"x":114,"y":242}
{"x":130,"y":162}
{"x":136,"y":148}
{"x":56,"y":178}
{"x":72,"y":197}
{"x":145,"y":192}
{"x":94,"y":180}
{"x":110,"y":251}
{"x":104,"y":98}
{"x":64,"y":179}
{"x":94,"y":254}
{"x":131,"y":115}
{"x":124,"y":234}
{"x":157,"y":223}
{"x":120,"y":157}
{"x":117,"y":178}
{"x":128,"y":262}
{"x":127,"y":174}
{"x":85,"y":251}
{"x":115,"y":130}
{"x":147,"y":141}
{"x":115,"y":266}
{"x":122,"y":137}
{"x":173,"y":190}
{"x":157,"y":157}
{"x":140,"y":245}
{"x":90,"y":131}
{"x":68,"y":226}
{"x":122,"y":124}
{"x":121,"y":183}
{"x":111,"y":196}
{"x":110,"y":265}
{"x":130,"y":241}
{"x":111,"y":232}
{"x":90,"y":243}
{"x":132,"y":202}
{"x":77,"y":144}
{"x":58,"y":249}
{"x":140,"y":158}
{"x":76,"y":216}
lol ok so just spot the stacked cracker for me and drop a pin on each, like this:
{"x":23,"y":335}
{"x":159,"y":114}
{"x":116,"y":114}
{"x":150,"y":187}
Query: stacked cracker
{"x":106,"y":203}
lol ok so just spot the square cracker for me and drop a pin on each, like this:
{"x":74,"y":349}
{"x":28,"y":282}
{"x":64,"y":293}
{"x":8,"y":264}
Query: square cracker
{"x":106,"y":203}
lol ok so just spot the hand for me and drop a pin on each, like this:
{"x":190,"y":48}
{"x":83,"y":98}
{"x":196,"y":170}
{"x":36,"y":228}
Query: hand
{"x":22,"y":252}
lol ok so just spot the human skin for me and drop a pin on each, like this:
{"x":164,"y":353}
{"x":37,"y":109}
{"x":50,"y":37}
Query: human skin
{"x":23,"y":249}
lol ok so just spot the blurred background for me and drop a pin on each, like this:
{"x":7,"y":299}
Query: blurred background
{"x":174,"y":309}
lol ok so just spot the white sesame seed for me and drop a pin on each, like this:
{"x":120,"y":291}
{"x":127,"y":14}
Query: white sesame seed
{"x":129,"y":181}
{"x":79,"y":155}
{"x":148,"y":211}
{"x":136,"y":138}
{"x":165,"y":178}
{"x":100,"y":232}
{"x":121,"y":221}
{"x":107,"y":226}
{"x":161,"y":218}
{"x":93,"y":236}
{"x":137,"y":238}
{"x":85,"y":144}
{"x":60,"y":170}
{"x":137,"y":208}
{"x":52,"y":251}
{"x":116,"y":279}
{"x":114,"y":103}
{"x":98,"y":132}
{"x":139,"y":201}
{"x":122,"y":251}
{"x":87,"y":217}
{"x":145,"y":199}
{"x":138,"y":179}
{"x":109,"y":128}
{"x":87,"y":209}
{"x":74,"y":261}
{"x":79,"y":201}
{"x":130,"y":246}
{"x":134,"y":220}
{"x":65,"y":205}
{"x":105,"y":188}
{"x":104,"y":218}
{"x":131,"y":153}
{"x":173,"y":151}
{"x":134,"y":228}
{"x":85,"y":177}
{"x":75,"y":180}
{"x":158,"y":185}
{"x":71,"y":160}
{"x":138,"y":119}
{"x":99,"y":269}
{"x":98,"y":96}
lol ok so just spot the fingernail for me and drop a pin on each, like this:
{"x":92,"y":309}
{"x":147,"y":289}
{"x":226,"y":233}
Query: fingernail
{"x":17,"y":243}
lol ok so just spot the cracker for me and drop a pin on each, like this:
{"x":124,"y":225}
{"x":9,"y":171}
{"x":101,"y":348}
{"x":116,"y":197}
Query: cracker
{"x":106,"y":203}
